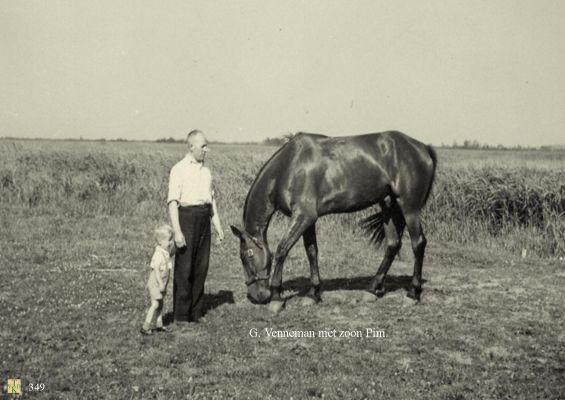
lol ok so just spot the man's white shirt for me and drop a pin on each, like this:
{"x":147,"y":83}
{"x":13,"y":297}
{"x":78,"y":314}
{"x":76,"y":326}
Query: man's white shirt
{"x":190,"y":183}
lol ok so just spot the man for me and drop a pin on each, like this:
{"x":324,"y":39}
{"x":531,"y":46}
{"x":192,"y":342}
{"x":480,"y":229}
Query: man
{"x":191,"y":205}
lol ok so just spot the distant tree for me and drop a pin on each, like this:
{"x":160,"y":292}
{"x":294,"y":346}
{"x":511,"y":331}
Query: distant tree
{"x":168,"y":140}
{"x":468,"y":144}
{"x":278,"y":141}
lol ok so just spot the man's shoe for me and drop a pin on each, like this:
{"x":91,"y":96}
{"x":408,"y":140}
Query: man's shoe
{"x":163,"y":329}
{"x":181,"y":324}
{"x":146,"y":332}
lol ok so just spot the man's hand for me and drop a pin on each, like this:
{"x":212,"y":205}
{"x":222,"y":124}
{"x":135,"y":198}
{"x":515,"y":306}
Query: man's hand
{"x":180,"y":242}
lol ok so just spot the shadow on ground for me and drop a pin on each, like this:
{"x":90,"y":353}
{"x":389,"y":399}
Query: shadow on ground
{"x":215,"y":300}
{"x":392,"y":283}
{"x":211,"y":301}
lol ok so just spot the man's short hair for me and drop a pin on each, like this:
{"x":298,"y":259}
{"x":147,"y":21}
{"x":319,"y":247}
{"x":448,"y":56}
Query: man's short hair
{"x":193,"y":133}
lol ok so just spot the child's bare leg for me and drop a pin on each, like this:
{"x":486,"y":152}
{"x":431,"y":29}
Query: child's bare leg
{"x":147,"y":325}
{"x":159,"y":315}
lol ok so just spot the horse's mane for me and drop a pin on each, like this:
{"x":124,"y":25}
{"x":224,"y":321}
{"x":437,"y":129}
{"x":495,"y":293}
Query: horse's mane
{"x":297,"y":136}
{"x":260,"y":174}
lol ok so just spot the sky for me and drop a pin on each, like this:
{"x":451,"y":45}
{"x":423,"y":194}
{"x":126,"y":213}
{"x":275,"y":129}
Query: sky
{"x":440,"y":71}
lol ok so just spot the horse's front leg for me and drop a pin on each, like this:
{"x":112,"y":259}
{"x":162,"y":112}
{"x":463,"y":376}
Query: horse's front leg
{"x":298,"y":224}
{"x":311,"y":246}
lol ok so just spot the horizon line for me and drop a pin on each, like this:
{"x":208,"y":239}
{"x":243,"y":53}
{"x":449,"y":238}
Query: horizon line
{"x":171,"y":140}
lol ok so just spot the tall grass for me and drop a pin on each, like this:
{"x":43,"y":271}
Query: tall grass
{"x":516,"y":208}
{"x":516,"y":202}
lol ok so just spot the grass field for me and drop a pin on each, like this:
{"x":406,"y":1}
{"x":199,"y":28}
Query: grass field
{"x":76,"y":222}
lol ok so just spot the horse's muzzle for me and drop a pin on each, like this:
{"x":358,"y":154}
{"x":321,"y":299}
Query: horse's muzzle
{"x":259,"y":296}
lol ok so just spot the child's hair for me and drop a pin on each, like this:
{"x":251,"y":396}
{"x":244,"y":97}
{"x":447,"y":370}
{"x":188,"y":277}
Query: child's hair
{"x":163,"y":232}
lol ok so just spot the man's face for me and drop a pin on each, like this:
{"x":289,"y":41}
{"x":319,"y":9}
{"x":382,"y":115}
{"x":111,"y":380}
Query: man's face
{"x":198,"y":147}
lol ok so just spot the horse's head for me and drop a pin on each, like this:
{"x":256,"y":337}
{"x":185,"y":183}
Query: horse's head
{"x":256,"y":259}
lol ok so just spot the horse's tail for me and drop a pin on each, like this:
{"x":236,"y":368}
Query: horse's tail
{"x":373,"y":225}
{"x":433,"y":156}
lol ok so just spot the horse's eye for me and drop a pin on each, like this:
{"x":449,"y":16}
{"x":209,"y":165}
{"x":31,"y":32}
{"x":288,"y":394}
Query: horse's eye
{"x":249,"y":252}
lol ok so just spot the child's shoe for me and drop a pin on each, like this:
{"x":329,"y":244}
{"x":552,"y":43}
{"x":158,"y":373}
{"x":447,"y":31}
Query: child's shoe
{"x":146,"y":332}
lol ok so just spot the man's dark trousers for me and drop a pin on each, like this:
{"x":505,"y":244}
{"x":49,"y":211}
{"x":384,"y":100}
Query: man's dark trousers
{"x":191,"y":263}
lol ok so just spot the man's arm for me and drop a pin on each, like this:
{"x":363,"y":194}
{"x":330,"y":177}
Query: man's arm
{"x":173,"y":199}
{"x":216,"y":222}
{"x":175,"y":224}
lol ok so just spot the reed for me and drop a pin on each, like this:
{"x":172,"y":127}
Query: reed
{"x":516,"y":202}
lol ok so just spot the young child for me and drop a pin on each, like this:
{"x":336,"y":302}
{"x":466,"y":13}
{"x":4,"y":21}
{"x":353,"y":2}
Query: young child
{"x":161,"y":265}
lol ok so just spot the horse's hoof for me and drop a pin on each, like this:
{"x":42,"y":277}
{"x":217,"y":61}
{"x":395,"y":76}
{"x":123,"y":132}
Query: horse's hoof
{"x":414,"y":294}
{"x":380,"y":292}
{"x":276,"y":306}
{"x":369,"y":297}
{"x":307,"y":301}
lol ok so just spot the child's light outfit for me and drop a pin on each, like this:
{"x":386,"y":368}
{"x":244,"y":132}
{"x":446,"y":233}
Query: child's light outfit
{"x":161,"y":263}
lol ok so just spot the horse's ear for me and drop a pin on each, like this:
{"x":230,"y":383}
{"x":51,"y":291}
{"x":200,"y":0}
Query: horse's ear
{"x":236,"y":231}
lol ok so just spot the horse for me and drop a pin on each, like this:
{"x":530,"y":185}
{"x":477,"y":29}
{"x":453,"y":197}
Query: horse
{"x":314,"y":175}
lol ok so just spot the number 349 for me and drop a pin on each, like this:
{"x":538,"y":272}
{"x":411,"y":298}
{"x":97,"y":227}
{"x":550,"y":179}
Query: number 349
{"x":36,"y":387}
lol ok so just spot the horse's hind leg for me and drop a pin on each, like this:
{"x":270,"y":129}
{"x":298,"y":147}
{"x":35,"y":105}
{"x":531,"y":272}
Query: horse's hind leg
{"x":311,"y":246}
{"x":393,"y":221}
{"x":418,"y":247}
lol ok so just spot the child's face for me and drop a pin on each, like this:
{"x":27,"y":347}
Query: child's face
{"x":166,"y":243}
